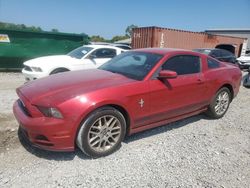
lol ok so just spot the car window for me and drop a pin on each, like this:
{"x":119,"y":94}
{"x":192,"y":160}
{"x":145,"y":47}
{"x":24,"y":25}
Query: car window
{"x":212,"y":64}
{"x":215,"y":53}
{"x":135,"y":65}
{"x":124,"y":47}
{"x":138,"y":60}
{"x":225,"y":53}
{"x":104,"y":53}
{"x":80,"y":52}
{"x":183,"y":64}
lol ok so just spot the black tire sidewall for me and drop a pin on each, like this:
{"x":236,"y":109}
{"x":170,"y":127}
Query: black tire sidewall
{"x":84,"y":146}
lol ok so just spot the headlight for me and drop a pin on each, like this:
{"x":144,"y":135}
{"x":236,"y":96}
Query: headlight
{"x":50,"y":112}
{"x":36,"y":69}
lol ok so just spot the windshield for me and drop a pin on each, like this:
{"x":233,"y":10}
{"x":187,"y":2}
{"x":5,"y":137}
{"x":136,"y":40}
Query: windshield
{"x":79,"y":52}
{"x":135,"y":65}
{"x":203,"y":51}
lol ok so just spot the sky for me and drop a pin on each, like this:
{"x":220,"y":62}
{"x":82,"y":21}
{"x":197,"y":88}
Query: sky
{"x":108,"y":18}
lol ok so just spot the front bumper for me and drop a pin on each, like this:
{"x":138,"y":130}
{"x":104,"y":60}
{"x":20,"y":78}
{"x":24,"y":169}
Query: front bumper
{"x":46,"y":133}
{"x":243,"y":65}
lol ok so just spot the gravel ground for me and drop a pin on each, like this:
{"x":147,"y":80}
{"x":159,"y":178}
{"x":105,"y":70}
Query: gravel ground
{"x":195,"y":152}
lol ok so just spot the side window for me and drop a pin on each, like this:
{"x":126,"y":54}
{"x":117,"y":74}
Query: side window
{"x":104,"y":53}
{"x":212,"y":64}
{"x":183,"y":64}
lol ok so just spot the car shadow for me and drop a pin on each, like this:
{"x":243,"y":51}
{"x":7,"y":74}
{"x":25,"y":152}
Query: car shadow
{"x":164,"y":128}
{"x":67,"y":156}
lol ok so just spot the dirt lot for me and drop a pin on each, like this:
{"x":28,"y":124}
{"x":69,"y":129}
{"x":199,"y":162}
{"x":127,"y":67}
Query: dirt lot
{"x":195,"y":152}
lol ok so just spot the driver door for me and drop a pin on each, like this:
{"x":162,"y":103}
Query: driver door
{"x":181,"y":95}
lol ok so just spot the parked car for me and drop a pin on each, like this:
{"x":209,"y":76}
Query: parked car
{"x":220,"y":54}
{"x":246,"y":81}
{"x":119,"y":45}
{"x":85,"y":57}
{"x":122,"y":46}
{"x":137,"y":90}
{"x":244,"y":61}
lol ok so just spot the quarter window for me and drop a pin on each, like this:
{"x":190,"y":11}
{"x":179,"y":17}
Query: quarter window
{"x":183,"y":64}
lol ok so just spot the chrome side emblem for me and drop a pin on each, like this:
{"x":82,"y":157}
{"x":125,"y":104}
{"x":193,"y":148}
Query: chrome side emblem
{"x":141,"y":103}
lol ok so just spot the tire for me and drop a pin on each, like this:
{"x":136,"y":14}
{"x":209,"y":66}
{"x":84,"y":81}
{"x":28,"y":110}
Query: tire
{"x":59,"y":70}
{"x":102,"y":132}
{"x":245,"y":82}
{"x":219,"y":104}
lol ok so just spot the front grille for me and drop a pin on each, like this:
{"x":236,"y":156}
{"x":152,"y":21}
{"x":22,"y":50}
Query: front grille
{"x":24,"y":109}
{"x":27,"y":68}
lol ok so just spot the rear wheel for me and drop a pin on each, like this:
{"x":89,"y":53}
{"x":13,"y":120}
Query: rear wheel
{"x":59,"y":70}
{"x":220,"y":103}
{"x":102,"y":132}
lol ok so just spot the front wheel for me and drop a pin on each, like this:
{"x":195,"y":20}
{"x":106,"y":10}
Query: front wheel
{"x":246,"y":81}
{"x":220,"y":103}
{"x":102,"y":132}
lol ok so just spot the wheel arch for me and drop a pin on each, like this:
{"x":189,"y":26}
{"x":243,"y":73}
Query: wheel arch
{"x":64,"y":68}
{"x":230,"y":87}
{"x":118,"y":107}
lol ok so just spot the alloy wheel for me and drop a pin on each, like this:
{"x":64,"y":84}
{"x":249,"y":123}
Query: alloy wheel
{"x":104,"y":133}
{"x":222,"y":102}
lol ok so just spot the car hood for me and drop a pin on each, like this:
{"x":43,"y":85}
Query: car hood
{"x":45,"y":60}
{"x":60,"y":87}
{"x":244,"y":58}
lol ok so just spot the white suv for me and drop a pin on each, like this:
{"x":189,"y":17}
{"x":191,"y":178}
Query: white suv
{"x":84,"y":57}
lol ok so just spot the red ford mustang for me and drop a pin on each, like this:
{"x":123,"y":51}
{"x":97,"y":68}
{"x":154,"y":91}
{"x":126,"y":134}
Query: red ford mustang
{"x":135,"y":91}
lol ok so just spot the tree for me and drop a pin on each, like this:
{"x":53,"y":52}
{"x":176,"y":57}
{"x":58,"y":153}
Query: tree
{"x":19,"y":27}
{"x":86,"y":38}
{"x":55,"y":30}
{"x":97,"y":38}
{"x":117,"y":38}
{"x":129,"y":30}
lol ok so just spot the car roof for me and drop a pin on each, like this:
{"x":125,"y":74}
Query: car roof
{"x":96,"y":46}
{"x":209,"y":49}
{"x":164,"y":51}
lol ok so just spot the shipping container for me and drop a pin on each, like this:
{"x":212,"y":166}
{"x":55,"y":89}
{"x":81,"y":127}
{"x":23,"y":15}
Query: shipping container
{"x":17,"y":46}
{"x":148,"y":37}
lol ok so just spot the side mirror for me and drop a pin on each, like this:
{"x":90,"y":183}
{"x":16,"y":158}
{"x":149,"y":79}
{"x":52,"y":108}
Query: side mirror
{"x":165,"y":74}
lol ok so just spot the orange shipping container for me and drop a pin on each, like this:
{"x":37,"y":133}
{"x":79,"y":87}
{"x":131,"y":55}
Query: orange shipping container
{"x":148,"y":37}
